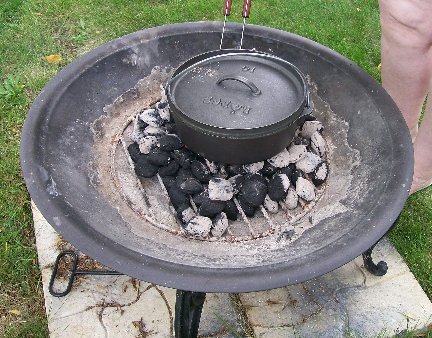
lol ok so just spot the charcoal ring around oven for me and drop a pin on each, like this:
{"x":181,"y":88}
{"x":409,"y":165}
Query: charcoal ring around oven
{"x":57,"y":150}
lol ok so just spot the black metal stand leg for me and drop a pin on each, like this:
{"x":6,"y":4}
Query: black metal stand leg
{"x":188,"y":313}
{"x":379,"y":269}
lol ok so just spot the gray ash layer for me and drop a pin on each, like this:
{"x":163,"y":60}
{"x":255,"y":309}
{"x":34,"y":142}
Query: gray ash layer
{"x":201,"y":190}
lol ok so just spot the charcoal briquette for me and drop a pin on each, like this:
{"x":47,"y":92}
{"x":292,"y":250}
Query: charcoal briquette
{"x":300,"y":141}
{"x":318,"y":144}
{"x":168,"y":181}
{"x":185,"y":213}
{"x":198,"y":226}
{"x":291,"y":199}
{"x":182,"y":172}
{"x":308,"y":162}
{"x":296,"y":152}
{"x":278,"y":187}
{"x":200,"y":198}
{"x":305,"y":189}
{"x":220,"y":225}
{"x":148,"y":143}
{"x":211,"y":208}
{"x":231,"y":210}
{"x":158,"y":157}
{"x":281,"y":159}
{"x":248,"y":209}
{"x":144,"y":168}
{"x":138,"y":131}
{"x":287,"y":170}
{"x":134,"y":151}
{"x":200,"y":171}
{"x":309,"y":127}
{"x":170,"y":127}
{"x":253,"y":192}
{"x":151,"y":117}
{"x":320,"y":174}
{"x":234,"y":169}
{"x":296,"y":173}
{"x":253,"y":168}
{"x":236,"y":182}
{"x":270,"y":205}
{"x":154,"y":131}
{"x":169,"y":170}
{"x":169,"y":143}
{"x":177,"y":197}
{"x":268,"y":170}
{"x":183,"y":157}
{"x":220,"y":189}
{"x":189,"y":185}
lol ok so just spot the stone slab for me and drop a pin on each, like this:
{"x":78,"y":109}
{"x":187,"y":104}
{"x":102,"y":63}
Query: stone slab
{"x":346,"y":302}
{"x":119,"y":306}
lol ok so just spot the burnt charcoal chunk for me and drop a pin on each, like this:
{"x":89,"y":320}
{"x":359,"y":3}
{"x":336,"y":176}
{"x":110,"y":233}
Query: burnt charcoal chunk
{"x":268,"y":170}
{"x":151,"y":117}
{"x":236,"y":182}
{"x":220,"y":189}
{"x":231,"y":210}
{"x":247,"y":208}
{"x":169,"y":170}
{"x":134,"y":151}
{"x":182,"y":172}
{"x":144,"y":168}
{"x":211,"y":208}
{"x":177,"y":197}
{"x":198,"y":226}
{"x":183,"y":157}
{"x":200,"y":171}
{"x":301,"y":141}
{"x":234,"y":169}
{"x":278,"y":187}
{"x":220,"y":224}
{"x":168,"y":181}
{"x":189,"y":185}
{"x":169,"y":143}
{"x":161,"y":105}
{"x":256,"y":177}
{"x":295,"y":175}
{"x":320,"y":174}
{"x":287,"y":170}
{"x":253,"y":191}
{"x":185,"y":213}
{"x":170,"y":127}
{"x":158,"y":157}
{"x":200,"y":198}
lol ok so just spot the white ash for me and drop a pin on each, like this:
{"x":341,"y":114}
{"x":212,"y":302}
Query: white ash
{"x":147,"y":144}
{"x":308,"y":162}
{"x":151,"y":117}
{"x":291,"y":200}
{"x":280,"y":160}
{"x":187,"y":214}
{"x":253,"y":168}
{"x":220,"y":225}
{"x":305,"y":189}
{"x":199,"y":226}
{"x":163,"y":110}
{"x":296,"y":152}
{"x":213,"y":167}
{"x":154,"y":131}
{"x":285,"y":181}
{"x":318,"y":144}
{"x":137,"y":133}
{"x":220,"y":189}
{"x":310,"y":127}
{"x":270,"y":205}
{"x":321,"y":172}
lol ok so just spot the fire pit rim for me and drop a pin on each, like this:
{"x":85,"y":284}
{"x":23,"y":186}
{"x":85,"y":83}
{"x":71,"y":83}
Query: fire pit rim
{"x":199,"y":279}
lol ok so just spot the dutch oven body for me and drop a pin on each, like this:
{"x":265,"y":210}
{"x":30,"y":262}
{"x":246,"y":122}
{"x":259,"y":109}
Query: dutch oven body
{"x":237,"y":106}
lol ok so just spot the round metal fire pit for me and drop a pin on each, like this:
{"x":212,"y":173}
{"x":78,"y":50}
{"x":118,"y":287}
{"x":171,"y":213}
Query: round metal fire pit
{"x":370,"y":158}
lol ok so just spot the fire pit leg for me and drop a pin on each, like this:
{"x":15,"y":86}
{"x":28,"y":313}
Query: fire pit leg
{"x":188,"y":313}
{"x":379,"y":269}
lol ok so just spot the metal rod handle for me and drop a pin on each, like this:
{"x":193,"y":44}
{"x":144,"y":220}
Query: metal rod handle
{"x":246,"y":8}
{"x":254,"y":89}
{"x":227,"y":7}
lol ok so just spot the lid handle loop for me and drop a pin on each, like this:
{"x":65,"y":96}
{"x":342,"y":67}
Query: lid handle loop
{"x":254,"y":89}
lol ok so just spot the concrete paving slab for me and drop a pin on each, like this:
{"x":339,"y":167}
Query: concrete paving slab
{"x":120,"y":306}
{"x":346,"y":302}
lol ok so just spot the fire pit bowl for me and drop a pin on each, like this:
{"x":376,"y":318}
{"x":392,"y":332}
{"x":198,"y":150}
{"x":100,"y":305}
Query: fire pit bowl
{"x":370,"y":158}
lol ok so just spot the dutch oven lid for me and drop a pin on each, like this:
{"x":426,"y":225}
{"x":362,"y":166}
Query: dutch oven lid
{"x":238,"y":89}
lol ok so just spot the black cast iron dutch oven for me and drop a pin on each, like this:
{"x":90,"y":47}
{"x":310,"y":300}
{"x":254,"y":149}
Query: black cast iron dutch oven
{"x":237,"y":106}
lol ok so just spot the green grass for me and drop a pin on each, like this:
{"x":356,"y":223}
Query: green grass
{"x":33,"y":29}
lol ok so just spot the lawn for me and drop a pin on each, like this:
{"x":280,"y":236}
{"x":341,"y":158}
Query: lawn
{"x":31,"y":30}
